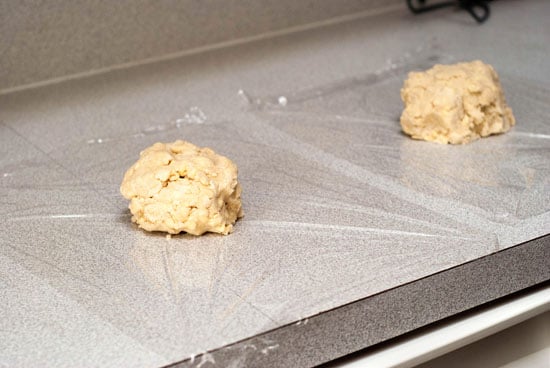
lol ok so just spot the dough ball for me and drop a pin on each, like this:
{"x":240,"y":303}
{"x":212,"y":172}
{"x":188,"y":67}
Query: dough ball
{"x":455,"y":104}
{"x":178,"y":186}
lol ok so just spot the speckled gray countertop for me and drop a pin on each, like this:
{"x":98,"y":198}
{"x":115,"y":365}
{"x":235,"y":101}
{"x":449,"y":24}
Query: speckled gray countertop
{"x":353,"y":233}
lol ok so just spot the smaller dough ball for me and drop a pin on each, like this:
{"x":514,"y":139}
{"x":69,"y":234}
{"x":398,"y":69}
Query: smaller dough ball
{"x":178,"y":186}
{"x":455,"y":104}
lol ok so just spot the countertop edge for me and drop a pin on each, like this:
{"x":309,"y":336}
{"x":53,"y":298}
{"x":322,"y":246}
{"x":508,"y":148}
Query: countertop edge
{"x":372,"y":320}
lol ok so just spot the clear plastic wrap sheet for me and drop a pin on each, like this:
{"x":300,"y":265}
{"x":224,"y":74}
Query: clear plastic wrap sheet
{"x":339,"y":205}
{"x":499,"y":185}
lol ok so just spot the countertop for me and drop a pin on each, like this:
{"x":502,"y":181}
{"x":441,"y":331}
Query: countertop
{"x":353,"y":233}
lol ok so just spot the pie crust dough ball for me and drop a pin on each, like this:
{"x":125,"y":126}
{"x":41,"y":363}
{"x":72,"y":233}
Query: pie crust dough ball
{"x":178,"y":186}
{"x":455,"y":104}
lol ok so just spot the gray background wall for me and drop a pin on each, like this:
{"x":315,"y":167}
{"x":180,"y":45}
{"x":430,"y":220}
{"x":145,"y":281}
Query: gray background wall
{"x":46,"y":39}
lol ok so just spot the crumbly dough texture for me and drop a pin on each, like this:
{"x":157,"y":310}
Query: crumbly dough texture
{"x":178,"y":186}
{"x":455,"y":104}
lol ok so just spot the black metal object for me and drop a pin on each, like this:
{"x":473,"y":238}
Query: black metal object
{"x":478,"y":9}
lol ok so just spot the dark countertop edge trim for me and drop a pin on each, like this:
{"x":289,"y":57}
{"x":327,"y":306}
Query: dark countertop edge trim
{"x":435,"y":325}
{"x":389,"y":314}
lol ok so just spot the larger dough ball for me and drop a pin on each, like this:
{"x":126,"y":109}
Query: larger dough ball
{"x":178,"y":186}
{"x":455,"y":104}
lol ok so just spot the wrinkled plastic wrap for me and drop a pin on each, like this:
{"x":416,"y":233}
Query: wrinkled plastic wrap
{"x":339,"y":205}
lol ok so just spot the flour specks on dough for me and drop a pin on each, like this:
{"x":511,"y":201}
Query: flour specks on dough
{"x":179,"y":187}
